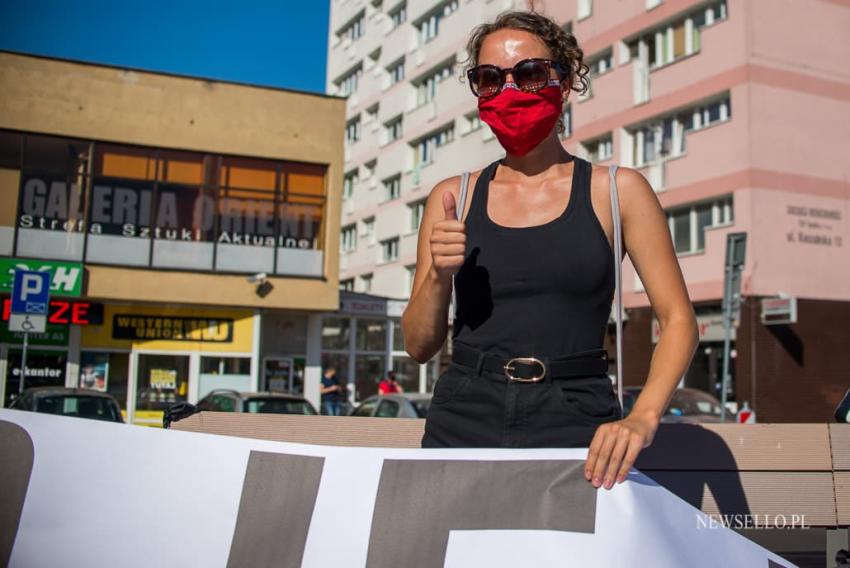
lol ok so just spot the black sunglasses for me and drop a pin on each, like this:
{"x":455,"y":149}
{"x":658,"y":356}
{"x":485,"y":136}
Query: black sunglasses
{"x":529,"y":75}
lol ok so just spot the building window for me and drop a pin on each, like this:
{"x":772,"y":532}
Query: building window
{"x":599,"y":65}
{"x":396,"y":71}
{"x":372,"y":113}
{"x":678,"y":39}
{"x":348,"y":182}
{"x":366,"y":282}
{"x":585,"y":9}
{"x":389,"y":250}
{"x":429,"y":25}
{"x":411,"y":275}
{"x":368,"y":231}
{"x":354,"y":29}
{"x":688,"y":224}
{"x":347,"y":284}
{"x":666,"y":137}
{"x":472,"y":122}
{"x":567,"y":119}
{"x":417,"y":210}
{"x":398,"y":15}
{"x":352,"y":130}
{"x":426,"y":148}
{"x":393,"y":129}
{"x":600,"y":149}
{"x":348,"y":239}
{"x":426,"y":86}
{"x":162,"y":208}
{"x":347,"y":84}
{"x":392,"y":187}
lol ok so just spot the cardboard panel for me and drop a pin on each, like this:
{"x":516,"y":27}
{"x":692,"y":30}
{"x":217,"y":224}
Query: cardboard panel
{"x":774,"y":496}
{"x":839,"y":435}
{"x":842,"y":496}
{"x":741,"y":447}
{"x":321,"y":430}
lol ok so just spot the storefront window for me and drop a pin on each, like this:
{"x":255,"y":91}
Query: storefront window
{"x":105,"y":372}
{"x":301,"y":211}
{"x":224,"y":373}
{"x":44,"y":369}
{"x":162,"y":380}
{"x":335,"y":333}
{"x":246,"y":205}
{"x":368,"y":372}
{"x":50,"y":221}
{"x":407,"y":373}
{"x":166,"y":208}
{"x":398,"y":337}
{"x":371,"y":334}
{"x":184,"y":228}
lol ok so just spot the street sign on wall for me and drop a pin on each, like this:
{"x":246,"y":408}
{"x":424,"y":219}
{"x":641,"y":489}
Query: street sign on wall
{"x":30,"y":300}
{"x":775,"y":311}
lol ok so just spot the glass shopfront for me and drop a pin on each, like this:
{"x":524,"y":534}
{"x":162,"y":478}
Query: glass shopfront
{"x":134,"y":206}
{"x":363,"y":341}
{"x":150,"y":357}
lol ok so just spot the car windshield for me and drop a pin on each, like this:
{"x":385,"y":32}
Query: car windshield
{"x":421,"y":406}
{"x":273,"y":405}
{"x":97,"y":407}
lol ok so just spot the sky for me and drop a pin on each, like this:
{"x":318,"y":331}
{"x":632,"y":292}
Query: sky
{"x":279,"y":43}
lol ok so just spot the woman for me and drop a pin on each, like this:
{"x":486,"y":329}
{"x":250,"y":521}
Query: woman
{"x":533,"y":272}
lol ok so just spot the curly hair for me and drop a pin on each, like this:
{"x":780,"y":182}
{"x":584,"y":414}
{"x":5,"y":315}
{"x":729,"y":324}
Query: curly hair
{"x":561,"y":43}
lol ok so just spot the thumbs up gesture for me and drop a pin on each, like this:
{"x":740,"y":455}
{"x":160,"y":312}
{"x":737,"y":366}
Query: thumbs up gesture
{"x":448,"y":240}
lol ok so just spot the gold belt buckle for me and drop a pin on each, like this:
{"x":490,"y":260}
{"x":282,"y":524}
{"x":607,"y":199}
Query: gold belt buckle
{"x":509,"y":367}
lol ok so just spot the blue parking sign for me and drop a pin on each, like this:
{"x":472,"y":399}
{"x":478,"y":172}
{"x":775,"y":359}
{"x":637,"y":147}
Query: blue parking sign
{"x":31,"y":292}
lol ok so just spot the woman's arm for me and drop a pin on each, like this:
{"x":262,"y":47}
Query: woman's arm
{"x":424,"y":323}
{"x":646,"y":237}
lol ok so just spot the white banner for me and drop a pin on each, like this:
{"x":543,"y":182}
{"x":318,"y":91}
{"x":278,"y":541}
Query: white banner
{"x":91,"y":493}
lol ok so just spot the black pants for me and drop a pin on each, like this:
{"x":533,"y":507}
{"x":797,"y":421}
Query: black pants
{"x":483,"y":409}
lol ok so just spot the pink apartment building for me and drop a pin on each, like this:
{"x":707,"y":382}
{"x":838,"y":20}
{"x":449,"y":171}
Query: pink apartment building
{"x":736,"y":112}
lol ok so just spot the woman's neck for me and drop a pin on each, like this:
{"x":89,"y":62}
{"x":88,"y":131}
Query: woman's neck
{"x":537,"y":164}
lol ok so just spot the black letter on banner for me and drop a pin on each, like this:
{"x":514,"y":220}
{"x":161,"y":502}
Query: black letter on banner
{"x":420,"y":501}
{"x":275,"y":509}
{"x":16,"y":447}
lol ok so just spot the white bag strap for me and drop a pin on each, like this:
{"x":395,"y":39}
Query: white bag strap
{"x":618,"y":277}
{"x":464,"y":183}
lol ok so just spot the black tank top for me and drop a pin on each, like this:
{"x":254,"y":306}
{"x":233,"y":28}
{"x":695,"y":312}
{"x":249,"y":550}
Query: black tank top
{"x":540,"y":290}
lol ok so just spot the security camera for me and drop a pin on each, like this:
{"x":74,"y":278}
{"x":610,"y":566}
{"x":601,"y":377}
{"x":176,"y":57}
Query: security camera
{"x":258,"y":278}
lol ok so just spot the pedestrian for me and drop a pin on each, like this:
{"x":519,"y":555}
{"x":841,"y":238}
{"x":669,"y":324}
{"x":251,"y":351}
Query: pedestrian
{"x":529,"y":254}
{"x":330,"y":391}
{"x":390,"y":384}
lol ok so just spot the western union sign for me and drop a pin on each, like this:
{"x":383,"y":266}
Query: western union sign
{"x":139,"y":327}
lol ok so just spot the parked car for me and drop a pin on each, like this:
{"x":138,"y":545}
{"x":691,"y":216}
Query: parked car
{"x":225,"y":400}
{"x":395,"y":405}
{"x":687,"y":405}
{"x":80,"y":403}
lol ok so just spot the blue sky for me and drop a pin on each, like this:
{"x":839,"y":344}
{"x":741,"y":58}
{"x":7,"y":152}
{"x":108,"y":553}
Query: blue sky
{"x":280,"y":43}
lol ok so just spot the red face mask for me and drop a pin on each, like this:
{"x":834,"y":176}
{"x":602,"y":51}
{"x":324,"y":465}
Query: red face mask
{"x":521,"y":120}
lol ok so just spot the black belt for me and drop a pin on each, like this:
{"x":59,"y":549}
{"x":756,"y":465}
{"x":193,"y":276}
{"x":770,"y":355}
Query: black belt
{"x":534,"y":369}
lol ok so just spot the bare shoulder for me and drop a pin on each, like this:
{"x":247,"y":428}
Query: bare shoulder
{"x":451,"y":185}
{"x":633,"y":190}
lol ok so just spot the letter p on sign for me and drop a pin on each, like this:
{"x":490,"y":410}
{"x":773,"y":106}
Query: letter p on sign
{"x":30,"y":292}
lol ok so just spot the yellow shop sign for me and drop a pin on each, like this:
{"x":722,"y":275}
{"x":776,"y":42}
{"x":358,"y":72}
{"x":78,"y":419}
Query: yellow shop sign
{"x":174,"y":328}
